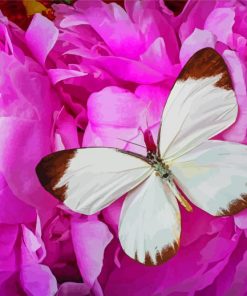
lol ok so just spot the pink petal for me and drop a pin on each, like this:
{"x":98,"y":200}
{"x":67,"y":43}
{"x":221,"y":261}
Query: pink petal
{"x":241,"y":219}
{"x":220,"y":22}
{"x":196,"y":41}
{"x":10,"y":205}
{"x":194,"y":16}
{"x":38,"y":280}
{"x":130,"y":70}
{"x":237,"y":132}
{"x":73,"y":289}
{"x":238,"y":286}
{"x":58,"y":75}
{"x":156,"y":57}
{"x":112,"y":106}
{"x":115,"y":28}
{"x":41,"y":36}
{"x":90,"y":239}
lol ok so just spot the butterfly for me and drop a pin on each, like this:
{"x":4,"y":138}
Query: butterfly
{"x":186,"y":162}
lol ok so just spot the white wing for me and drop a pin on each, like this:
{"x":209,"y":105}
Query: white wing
{"x":149,"y":228}
{"x":214,"y":177}
{"x":201,"y":104}
{"x":89,"y":179}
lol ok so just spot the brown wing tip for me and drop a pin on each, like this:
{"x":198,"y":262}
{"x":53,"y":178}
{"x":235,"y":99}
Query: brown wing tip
{"x":207,"y":63}
{"x":50,"y":170}
{"x":161,"y":256}
{"x":235,"y":206}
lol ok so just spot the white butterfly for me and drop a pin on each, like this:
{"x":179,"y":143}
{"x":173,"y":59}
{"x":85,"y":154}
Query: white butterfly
{"x":212,"y":174}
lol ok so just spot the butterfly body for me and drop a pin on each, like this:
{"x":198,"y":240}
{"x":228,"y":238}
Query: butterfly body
{"x":159,"y":166}
{"x":211,"y":174}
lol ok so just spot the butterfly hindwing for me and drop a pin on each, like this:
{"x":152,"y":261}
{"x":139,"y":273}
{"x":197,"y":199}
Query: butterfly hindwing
{"x":149,"y":228}
{"x":89,"y":179}
{"x":201,"y":104}
{"x":214,"y":178}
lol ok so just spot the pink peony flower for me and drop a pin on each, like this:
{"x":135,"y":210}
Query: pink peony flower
{"x":97,"y":76}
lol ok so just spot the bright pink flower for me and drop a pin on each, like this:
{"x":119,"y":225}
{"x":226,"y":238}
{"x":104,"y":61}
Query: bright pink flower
{"x":100,"y":76}
{"x":131,"y":59}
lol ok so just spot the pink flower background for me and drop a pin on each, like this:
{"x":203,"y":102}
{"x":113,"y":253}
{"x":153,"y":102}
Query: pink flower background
{"x":95,"y":75}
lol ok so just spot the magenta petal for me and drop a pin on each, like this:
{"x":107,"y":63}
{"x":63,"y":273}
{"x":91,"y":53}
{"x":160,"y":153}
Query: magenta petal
{"x":193,"y":16}
{"x":156,"y":57}
{"x":66,"y":129}
{"x":130,"y":70}
{"x":41,"y":37}
{"x":57,"y":75}
{"x":37,"y":280}
{"x":10,"y":205}
{"x":238,"y":286}
{"x":115,"y":28}
{"x":8,"y":239}
{"x":90,"y":239}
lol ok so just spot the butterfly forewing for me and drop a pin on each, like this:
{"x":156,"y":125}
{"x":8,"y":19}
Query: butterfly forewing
{"x":149,"y":228}
{"x":201,"y":104}
{"x":214,"y":177}
{"x":89,"y":179}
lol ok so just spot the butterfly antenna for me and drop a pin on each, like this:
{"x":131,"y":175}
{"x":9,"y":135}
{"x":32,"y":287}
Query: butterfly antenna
{"x":132,"y":143}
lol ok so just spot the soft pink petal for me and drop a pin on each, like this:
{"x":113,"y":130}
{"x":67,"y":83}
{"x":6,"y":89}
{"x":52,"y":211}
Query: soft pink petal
{"x":156,"y":57}
{"x":237,"y":132}
{"x":38,"y":280}
{"x":130,"y":70}
{"x":220,"y":22}
{"x":58,"y":75}
{"x":115,"y":28}
{"x":41,"y":37}
{"x":90,"y":239}
{"x":73,"y":289}
{"x":241,"y":219}
{"x":196,"y":41}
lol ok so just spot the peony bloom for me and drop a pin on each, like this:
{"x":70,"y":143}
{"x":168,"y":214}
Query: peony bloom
{"x":97,"y":76}
{"x":27,"y":104}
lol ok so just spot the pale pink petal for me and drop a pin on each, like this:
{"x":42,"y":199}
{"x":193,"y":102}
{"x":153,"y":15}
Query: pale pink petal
{"x":73,"y":289}
{"x":220,"y":22}
{"x":37,"y":280}
{"x":237,"y":132}
{"x":115,"y":28}
{"x":90,"y":239}
{"x":58,"y":75}
{"x":73,"y":20}
{"x":130,"y":70}
{"x":241,"y":219}
{"x":41,"y":37}
{"x":197,"y":40}
{"x":156,"y":57}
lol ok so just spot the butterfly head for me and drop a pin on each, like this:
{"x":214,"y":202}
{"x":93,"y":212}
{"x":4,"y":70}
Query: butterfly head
{"x":149,"y":141}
